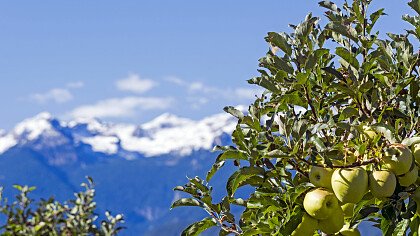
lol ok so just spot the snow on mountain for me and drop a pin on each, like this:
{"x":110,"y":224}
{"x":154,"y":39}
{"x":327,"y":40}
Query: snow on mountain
{"x":33,"y":127}
{"x":166,"y":134}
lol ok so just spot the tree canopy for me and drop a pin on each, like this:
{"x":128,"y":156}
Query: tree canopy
{"x":338,"y":96}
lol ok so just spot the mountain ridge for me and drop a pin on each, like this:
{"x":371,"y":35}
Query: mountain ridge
{"x":135,"y":167}
{"x":166,"y":134}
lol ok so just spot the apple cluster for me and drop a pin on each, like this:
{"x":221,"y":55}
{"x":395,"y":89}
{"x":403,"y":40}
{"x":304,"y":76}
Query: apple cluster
{"x":331,"y":202}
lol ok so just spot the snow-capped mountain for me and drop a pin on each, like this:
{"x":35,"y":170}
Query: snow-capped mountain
{"x":166,"y":134}
{"x":135,"y":167}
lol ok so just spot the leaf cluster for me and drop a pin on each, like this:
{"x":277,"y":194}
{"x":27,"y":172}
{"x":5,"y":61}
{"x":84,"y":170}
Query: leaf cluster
{"x":25,"y":216}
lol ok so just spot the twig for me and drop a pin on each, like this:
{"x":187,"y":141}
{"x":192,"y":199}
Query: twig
{"x":313,"y":111}
{"x":297,"y":168}
{"x":355,"y":164}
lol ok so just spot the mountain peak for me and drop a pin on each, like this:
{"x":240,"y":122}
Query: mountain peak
{"x":43,"y":116}
{"x":166,"y":120}
{"x":33,"y":127}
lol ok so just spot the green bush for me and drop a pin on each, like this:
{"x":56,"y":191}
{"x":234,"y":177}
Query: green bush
{"x":24,"y":216}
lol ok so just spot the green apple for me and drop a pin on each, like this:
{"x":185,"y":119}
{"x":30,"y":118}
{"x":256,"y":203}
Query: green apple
{"x":307,"y":226}
{"x":350,"y":184}
{"x":348,"y":209}
{"x":346,"y":231}
{"x":409,"y":178}
{"x":320,"y":176}
{"x":320,"y":203}
{"x":416,"y":152}
{"x":382,"y":183}
{"x":398,"y":158}
{"x":334,"y":223}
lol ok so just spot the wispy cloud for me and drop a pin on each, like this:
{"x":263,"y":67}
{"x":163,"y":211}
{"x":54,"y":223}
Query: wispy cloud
{"x":133,"y":83}
{"x":247,"y":93}
{"x":57,"y":95}
{"x":197,"y":102}
{"x":175,"y":80}
{"x":211,"y":92}
{"x":77,"y":84}
{"x":121,"y":107}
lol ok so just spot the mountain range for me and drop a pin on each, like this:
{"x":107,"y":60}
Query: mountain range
{"x":135,"y":167}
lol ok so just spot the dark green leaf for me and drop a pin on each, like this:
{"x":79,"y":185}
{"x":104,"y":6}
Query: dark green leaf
{"x":185,"y":202}
{"x":415,"y":5}
{"x":348,"y":112}
{"x":347,"y":56}
{"x":234,"y":112}
{"x":214,"y":168}
{"x":280,"y":40}
{"x":240,"y":177}
{"x":347,"y":31}
{"x":329,"y":5}
{"x":198,"y":227}
{"x":320,"y":146}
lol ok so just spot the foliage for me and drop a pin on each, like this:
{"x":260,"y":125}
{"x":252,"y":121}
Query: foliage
{"x":324,"y":86}
{"x":25,"y":216}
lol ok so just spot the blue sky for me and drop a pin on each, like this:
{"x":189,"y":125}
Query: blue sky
{"x":129,"y":61}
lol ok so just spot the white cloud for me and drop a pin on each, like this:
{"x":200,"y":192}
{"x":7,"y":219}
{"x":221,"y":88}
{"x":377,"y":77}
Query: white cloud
{"x":121,"y":107}
{"x":57,"y":95}
{"x":247,"y":93}
{"x":225,"y":92}
{"x":77,"y":84}
{"x":133,"y":83}
{"x":197,"y":102}
{"x":196,"y":86}
{"x":176,"y":80}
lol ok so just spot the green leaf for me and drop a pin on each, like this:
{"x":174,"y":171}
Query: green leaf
{"x":185,"y":202}
{"x":234,"y":112}
{"x":415,"y":5}
{"x":303,"y":29}
{"x":197,"y":228}
{"x":375,"y":16}
{"x":401,"y":228}
{"x":348,"y":112}
{"x":265,"y":83}
{"x":387,"y":131}
{"x":293,"y":223}
{"x":280,"y":40}
{"x":366,"y":86}
{"x":253,"y":232}
{"x":334,"y":72}
{"x":18,"y":187}
{"x":240,"y":177}
{"x":214,"y":168}
{"x":232,"y":154}
{"x":293,"y":99}
{"x":347,"y":56}
{"x":320,"y":146}
{"x":329,"y":5}
{"x":410,"y":141}
{"x":347,"y":31}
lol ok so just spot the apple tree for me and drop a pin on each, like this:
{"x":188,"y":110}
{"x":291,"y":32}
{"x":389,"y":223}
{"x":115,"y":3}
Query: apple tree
{"x":334,"y":139}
